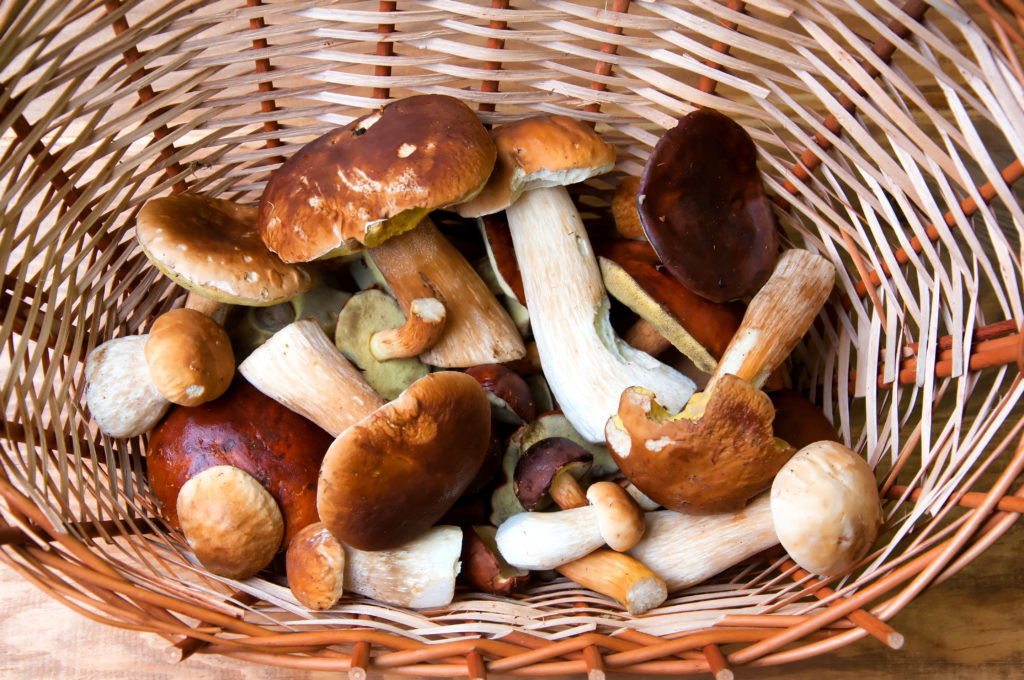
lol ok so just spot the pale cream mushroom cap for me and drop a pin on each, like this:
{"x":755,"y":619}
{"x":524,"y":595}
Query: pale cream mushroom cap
{"x":826,"y":508}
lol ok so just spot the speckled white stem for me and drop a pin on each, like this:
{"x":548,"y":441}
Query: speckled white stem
{"x":587,"y":366}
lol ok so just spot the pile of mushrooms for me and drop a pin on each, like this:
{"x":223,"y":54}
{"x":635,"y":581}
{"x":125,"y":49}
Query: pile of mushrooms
{"x":399,"y":411}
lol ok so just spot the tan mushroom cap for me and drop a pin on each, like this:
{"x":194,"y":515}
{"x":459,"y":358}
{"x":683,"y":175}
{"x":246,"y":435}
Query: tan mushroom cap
{"x":392,"y":475}
{"x":315,"y":565}
{"x":231,"y":522}
{"x":375,"y":178}
{"x":541,"y":151}
{"x":621,"y":520}
{"x":190,"y":357}
{"x":212,"y":246}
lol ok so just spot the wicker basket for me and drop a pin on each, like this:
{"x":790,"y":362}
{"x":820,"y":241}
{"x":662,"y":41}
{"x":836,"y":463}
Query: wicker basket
{"x":890,"y":136}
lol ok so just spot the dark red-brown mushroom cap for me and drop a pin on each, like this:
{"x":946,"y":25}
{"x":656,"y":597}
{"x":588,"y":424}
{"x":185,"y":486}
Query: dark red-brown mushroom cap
{"x":540,"y":464}
{"x":375,"y":178}
{"x":248,"y":430}
{"x":703,"y":207}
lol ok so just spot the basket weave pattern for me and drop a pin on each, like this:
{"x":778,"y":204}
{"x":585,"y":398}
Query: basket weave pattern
{"x":890,"y":137}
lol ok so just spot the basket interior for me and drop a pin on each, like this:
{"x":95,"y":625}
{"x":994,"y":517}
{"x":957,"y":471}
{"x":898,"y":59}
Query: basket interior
{"x":890,"y":136}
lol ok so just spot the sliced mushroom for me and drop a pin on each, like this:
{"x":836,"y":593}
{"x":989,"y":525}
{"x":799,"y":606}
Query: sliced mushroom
{"x":703,"y":207}
{"x":586,"y":365}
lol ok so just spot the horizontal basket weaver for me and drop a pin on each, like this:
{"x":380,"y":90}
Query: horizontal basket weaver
{"x":890,"y":134}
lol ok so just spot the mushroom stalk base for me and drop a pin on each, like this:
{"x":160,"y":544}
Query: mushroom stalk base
{"x":586,"y":364}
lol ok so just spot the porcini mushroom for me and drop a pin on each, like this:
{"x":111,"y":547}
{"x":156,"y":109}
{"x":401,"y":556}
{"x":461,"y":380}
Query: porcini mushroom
{"x":419,"y":574}
{"x":122,"y":398}
{"x":511,"y":397}
{"x":546,"y":540}
{"x":823,"y":507}
{"x":586,"y":365}
{"x":550,"y":469}
{"x":212,"y":247}
{"x":720,"y":451}
{"x":702,"y":204}
{"x":245,"y":429}
{"x":371,"y":184}
{"x":394,"y":468}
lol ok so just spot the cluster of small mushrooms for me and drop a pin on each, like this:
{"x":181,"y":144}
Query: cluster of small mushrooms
{"x":403,"y":371}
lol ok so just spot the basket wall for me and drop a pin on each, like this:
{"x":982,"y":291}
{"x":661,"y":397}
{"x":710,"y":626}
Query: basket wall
{"x":890,"y":136}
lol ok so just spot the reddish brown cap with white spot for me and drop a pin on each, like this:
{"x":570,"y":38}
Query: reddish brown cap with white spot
{"x":375,"y":178}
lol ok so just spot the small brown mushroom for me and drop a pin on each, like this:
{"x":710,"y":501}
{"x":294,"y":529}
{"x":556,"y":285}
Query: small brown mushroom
{"x":315,"y":567}
{"x":190,"y":357}
{"x":485,"y":568}
{"x":550,"y":469}
{"x":511,"y":397}
{"x":627,"y":219}
{"x":703,"y":207}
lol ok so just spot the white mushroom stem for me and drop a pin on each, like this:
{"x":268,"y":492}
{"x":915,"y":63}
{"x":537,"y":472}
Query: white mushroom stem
{"x":302,"y":369}
{"x":587,"y":366}
{"x":688,"y":549}
{"x":823,"y":507}
{"x":777,"y":317}
{"x":121,"y":396}
{"x":545,"y":540}
{"x":419,"y":574}
{"x":422,"y":329}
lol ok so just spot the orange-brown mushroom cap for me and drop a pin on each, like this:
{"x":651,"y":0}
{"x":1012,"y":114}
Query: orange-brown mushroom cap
{"x":714,"y":463}
{"x":375,"y":178}
{"x":389,"y":477}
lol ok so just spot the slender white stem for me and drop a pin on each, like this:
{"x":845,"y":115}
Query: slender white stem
{"x":587,"y":366}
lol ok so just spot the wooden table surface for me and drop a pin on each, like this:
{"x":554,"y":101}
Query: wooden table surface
{"x":970,"y":626}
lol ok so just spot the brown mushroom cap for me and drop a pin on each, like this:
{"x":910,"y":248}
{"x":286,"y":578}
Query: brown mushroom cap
{"x":703,"y":207}
{"x":389,"y":477}
{"x":541,"y":151}
{"x":799,"y":421}
{"x":248,"y":430}
{"x":714,"y":463}
{"x":627,"y":219}
{"x":190,"y":357}
{"x":619,"y":517}
{"x":825,"y":508}
{"x":375,"y":178}
{"x":508,"y":389}
{"x":315,"y":567}
{"x":231,"y":522}
{"x":213,"y":247}
{"x":542,"y":463}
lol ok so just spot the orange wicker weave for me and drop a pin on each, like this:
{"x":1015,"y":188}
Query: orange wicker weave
{"x":891,"y":135}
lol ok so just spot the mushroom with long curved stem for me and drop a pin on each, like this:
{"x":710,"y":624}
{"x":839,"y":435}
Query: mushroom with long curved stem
{"x":587,"y":366}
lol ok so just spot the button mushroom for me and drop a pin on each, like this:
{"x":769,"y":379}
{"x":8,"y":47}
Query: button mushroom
{"x":394,"y":468}
{"x":190,"y":357}
{"x":823,"y":507}
{"x":586,"y":365}
{"x":703,"y":207}
{"x":720,"y":451}
{"x":371,"y":184}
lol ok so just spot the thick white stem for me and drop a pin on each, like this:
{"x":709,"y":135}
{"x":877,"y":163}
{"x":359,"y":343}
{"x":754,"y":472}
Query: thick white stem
{"x":545,"y":540}
{"x":688,"y":549}
{"x":587,"y":366}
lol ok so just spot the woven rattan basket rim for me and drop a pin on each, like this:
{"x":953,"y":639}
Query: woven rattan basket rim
{"x":890,"y":137}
